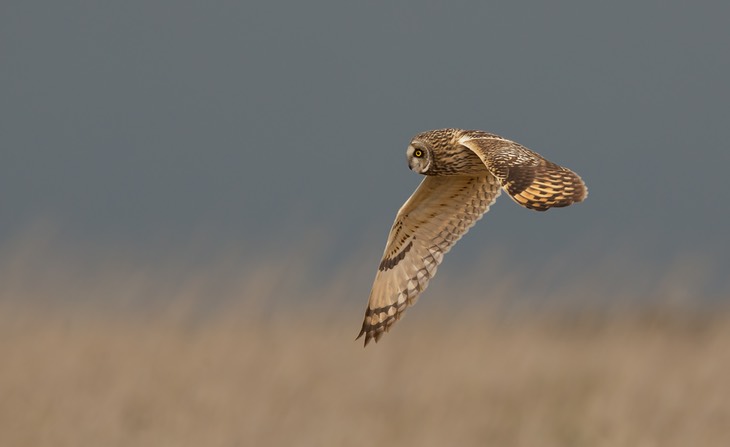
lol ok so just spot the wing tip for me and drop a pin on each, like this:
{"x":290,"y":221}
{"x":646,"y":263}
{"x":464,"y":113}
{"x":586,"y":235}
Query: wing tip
{"x":556,"y":187}
{"x":370,"y":334}
{"x":374,"y":328}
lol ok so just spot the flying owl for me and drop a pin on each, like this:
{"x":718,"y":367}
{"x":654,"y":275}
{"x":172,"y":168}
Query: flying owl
{"x":465,"y":171}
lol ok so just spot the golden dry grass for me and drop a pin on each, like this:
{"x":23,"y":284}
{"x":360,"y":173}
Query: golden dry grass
{"x":304,"y":381}
{"x":78,"y":372}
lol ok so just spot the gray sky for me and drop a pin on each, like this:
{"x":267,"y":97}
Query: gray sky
{"x":152,"y":123}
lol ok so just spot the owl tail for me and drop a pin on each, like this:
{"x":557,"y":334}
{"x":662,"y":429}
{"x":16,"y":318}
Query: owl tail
{"x":545,"y":186}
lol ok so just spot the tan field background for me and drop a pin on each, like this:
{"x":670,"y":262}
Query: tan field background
{"x":110,"y":352}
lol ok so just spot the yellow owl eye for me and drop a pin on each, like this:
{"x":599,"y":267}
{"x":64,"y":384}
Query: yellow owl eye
{"x":418,"y":153}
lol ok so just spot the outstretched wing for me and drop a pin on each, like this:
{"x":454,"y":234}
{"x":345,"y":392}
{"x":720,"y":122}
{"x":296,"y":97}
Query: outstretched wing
{"x":439,"y":213}
{"x":531,"y":180}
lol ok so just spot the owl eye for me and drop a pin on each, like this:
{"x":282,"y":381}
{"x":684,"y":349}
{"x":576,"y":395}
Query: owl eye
{"x":418,"y":153}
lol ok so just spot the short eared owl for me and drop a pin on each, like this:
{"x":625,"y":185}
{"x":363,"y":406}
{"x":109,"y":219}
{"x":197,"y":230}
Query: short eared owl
{"x":464,"y":170}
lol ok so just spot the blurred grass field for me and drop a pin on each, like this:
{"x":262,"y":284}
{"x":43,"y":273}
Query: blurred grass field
{"x":92,"y":355}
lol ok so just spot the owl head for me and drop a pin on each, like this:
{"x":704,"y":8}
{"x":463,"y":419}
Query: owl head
{"x":427,"y":151}
{"x":420,"y":156}
{"x":440,"y":152}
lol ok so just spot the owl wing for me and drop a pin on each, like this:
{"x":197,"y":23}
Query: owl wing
{"x":439,"y":213}
{"x":531,"y":180}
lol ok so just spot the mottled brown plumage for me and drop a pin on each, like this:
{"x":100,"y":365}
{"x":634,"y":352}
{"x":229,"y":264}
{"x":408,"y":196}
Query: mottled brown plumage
{"x":464,"y":172}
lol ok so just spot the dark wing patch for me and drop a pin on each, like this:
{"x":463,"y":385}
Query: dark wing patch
{"x":389,"y":262}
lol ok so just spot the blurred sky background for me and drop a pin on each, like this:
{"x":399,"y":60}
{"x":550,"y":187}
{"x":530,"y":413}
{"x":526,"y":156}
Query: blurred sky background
{"x":165,"y":127}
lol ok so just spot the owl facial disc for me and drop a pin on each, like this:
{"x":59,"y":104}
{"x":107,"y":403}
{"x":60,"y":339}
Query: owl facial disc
{"x":419,"y":159}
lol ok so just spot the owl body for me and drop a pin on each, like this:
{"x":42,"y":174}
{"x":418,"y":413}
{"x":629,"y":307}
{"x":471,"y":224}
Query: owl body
{"x":465,"y":172}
